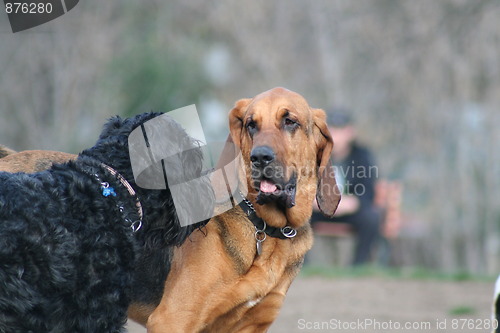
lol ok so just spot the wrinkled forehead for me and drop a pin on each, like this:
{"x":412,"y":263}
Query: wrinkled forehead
{"x":278,"y":102}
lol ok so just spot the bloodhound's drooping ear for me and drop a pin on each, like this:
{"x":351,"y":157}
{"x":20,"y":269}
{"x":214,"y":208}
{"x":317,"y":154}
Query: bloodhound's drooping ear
{"x":236,"y":120}
{"x":327,"y":194}
{"x":226,"y":182}
{"x":229,"y":152}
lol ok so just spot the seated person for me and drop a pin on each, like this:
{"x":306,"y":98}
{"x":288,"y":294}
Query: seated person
{"x":356,"y":175}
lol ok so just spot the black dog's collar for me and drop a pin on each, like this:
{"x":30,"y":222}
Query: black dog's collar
{"x":127,"y":185}
{"x":261,"y":226}
{"x":109,"y":191}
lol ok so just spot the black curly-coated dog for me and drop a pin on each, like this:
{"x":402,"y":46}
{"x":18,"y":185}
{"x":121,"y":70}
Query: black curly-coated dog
{"x":71,"y":257}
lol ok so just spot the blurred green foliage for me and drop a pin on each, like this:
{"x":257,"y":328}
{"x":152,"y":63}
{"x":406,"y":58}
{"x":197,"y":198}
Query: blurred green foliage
{"x":154,"y":70}
{"x":150,"y":81}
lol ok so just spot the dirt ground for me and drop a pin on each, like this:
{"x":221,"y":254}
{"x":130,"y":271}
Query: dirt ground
{"x":373,"y":304}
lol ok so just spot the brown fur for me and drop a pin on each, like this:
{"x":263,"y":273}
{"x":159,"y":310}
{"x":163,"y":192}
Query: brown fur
{"x":217,"y":282}
{"x":33,"y":160}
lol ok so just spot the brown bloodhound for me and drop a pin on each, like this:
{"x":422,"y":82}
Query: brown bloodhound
{"x":233,"y":275}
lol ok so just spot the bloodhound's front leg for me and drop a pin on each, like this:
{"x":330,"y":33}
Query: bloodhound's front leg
{"x":194,"y":308}
{"x":203,"y":286}
{"x":260,"y":316}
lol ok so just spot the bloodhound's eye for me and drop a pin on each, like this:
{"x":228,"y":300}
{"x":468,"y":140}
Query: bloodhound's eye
{"x":251,"y":127}
{"x":289,"y":124}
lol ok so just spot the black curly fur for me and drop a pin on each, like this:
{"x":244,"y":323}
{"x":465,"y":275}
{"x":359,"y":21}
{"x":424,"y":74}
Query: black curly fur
{"x":69,"y":261}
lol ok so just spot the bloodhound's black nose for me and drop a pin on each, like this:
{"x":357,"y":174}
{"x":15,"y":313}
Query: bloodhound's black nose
{"x":261,"y":156}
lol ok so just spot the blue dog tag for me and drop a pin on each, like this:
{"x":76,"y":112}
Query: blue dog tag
{"x":107,"y":190}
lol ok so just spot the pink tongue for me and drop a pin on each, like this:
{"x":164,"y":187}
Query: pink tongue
{"x":267,"y":186}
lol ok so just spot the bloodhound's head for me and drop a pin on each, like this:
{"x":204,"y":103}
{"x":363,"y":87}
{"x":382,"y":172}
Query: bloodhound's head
{"x":286,"y":147}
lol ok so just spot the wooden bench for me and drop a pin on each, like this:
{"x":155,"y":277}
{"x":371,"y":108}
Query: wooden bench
{"x":334,"y":241}
{"x":388,"y":196}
